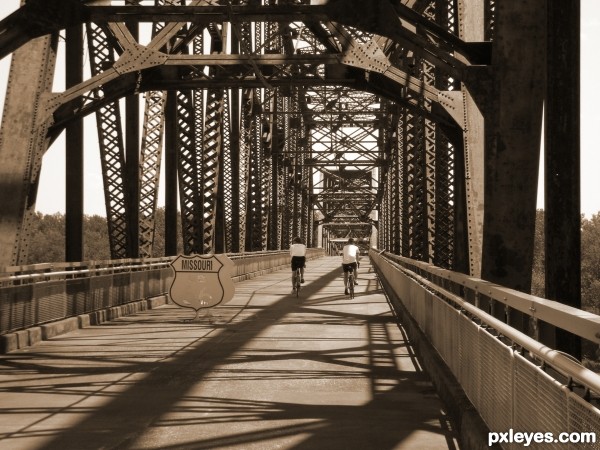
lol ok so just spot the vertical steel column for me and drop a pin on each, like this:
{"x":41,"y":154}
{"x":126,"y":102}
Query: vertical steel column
{"x":285,"y":191}
{"x":112,"y":152}
{"x":445,"y":15}
{"x":188,"y":169}
{"x":444,"y":203}
{"x":74,"y":187}
{"x":243,"y":39}
{"x":513,"y":137}
{"x":389,"y":231}
{"x":150,"y":160}
{"x":428,"y":76}
{"x":385,"y":223}
{"x":417,"y":188}
{"x":388,"y":172}
{"x":265,"y":192}
{"x":254,"y":222}
{"x":473,"y":23}
{"x":246,"y":121}
{"x":269,"y":125}
{"x":132,"y":160}
{"x":211,"y":168}
{"x":268,"y":139}
{"x":405,"y":185}
{"x":226,"y":184}
{"x":151,"y":155}
{"x":234,"y":242}
{"x":296,"y":177}
{"x":23,"y":142}
{"x":393,"y":230}
{"x":190,"y":126}
{"x":274,"y":228}
{"x":274,"y":239}
{"x":258,"y":172}
{"x":397,"y":205}
{"x":306,"y":187}
{"x":171,"y":158}
{"x":311,"y":227}
{"x":562,"y":164}
{"x":291,"y":130}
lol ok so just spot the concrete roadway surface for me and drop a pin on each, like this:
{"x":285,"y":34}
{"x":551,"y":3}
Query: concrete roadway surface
{"x":265,"y":371}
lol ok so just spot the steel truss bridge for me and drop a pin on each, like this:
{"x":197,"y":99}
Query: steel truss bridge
{"x":414,"y":126}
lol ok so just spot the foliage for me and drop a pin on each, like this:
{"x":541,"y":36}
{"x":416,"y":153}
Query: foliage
{"x":48,"y":236}
{"x":538,"y":278}
{"x":590,"y":263}
{"x":48,"y":230}
{"x":95,"y":238}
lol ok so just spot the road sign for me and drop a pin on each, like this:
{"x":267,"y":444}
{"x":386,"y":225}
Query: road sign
{"x":201,"y":281}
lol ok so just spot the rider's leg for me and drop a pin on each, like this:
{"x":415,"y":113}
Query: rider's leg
{"x":345,"y":282}
{"x":301,"y":274}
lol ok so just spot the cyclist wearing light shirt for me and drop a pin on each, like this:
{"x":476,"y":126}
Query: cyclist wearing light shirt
{"x":298,"y":254}
{"x":350,"y":259}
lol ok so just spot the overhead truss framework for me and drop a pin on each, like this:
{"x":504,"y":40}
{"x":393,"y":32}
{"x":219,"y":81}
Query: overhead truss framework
{"x":282,"y":118}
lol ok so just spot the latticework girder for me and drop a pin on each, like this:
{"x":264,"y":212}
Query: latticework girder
{"x":110,"y":139}
{"x":189,"y":165}
{"x":292,"y":118}
{"x":228,"y":184}
{"x":429,"y":140}
{"x":151,"y":156}
{"x":211,"y":156}
{"x":256,"y":167}
{"x":446,"y":15}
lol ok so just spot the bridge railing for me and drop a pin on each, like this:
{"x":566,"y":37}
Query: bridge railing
{"x":42,"y":293}
{"x":513,"y":381}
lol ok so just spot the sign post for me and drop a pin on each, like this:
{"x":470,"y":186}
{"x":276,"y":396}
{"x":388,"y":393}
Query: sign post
{"x":201,"y":281}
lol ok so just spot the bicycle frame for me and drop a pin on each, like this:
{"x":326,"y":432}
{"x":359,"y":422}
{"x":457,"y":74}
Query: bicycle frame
{"x":297,"y":281}
{"x":350,"y":285}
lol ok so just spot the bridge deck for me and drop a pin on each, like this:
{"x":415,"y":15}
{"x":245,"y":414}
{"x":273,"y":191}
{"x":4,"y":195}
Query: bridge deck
{"x":264,"y":371}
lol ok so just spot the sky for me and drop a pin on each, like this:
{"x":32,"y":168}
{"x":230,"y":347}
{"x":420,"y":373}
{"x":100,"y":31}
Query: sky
{"x":51,"y":195}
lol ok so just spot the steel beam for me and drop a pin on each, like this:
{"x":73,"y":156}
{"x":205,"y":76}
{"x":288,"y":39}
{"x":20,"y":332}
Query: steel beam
{"x":562,"y":165}
{"x":112,"y":147}
{"x":513,"y":137}
{"x":74,"y":146}
{"x":23,"y":141}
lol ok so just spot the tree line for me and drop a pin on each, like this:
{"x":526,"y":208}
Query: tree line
{"x":590,"y":261}
{"x":48,"y":236}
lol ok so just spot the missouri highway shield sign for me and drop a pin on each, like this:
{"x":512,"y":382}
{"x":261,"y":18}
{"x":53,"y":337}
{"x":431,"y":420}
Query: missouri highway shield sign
{"x":201,"y":281}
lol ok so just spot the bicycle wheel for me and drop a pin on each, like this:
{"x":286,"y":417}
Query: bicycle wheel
{"x":297,"y":282}
{"x":351,"y":284}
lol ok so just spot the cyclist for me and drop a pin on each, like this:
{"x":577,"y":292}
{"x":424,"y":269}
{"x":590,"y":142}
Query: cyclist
{"x":350,"y":259}
{"x":298,"y":254}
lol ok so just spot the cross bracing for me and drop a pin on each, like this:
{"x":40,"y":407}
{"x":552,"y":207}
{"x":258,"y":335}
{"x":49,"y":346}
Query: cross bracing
{"x":417,"y":121}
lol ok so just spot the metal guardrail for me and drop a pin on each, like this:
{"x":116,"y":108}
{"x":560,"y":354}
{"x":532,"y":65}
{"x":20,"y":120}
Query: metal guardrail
{"x":42,"y":293}
{"x":480,"y":292}
{"x":514,"y":381}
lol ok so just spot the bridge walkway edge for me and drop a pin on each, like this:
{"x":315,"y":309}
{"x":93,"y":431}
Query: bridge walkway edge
{"x":266,"y":370}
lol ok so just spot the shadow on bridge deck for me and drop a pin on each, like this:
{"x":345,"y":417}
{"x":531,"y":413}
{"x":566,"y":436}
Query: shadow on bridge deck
{"x":267,"y":370}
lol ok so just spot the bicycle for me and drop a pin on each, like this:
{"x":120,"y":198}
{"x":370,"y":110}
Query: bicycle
{"x":297,"y":277}
{"x":350,"y":285}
